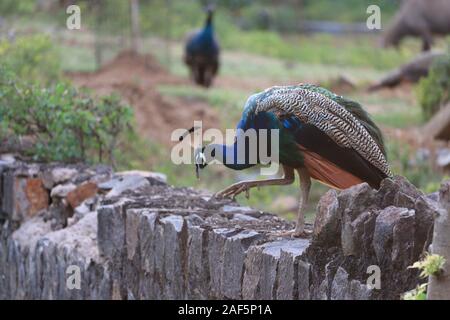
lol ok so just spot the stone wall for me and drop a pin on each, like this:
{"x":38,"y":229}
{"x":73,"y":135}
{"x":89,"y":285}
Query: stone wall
{"x":135,"y":237}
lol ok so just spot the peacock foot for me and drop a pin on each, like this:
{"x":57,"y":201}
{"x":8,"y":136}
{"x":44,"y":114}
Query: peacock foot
{"x":235,"y":189}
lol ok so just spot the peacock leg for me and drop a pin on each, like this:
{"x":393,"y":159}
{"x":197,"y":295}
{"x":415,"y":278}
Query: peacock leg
{"x":305,"y":187}
{"x":237,"y":188}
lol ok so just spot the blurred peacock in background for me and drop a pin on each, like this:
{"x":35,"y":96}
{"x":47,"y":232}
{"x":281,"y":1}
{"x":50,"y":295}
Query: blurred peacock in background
{"x":322,"y":136}
{"x":202,"y":53}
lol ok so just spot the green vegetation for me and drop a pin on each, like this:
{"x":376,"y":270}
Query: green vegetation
{"x":17,"y":7}
{"x":418,"y":172}
{"x":419,"y":293}
{"x":347,"y":11}
{"x":281,"y":16}
{"x":64,"y":124}
{"x":324,"y":49}
{"x":430,"y":265}
{"x":434,"y":91}
{"x":32,"y":58}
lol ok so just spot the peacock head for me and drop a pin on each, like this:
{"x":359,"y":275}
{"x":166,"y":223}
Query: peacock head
{"x":200,"y":160}
{"x":199,"y":153}
{"x":209,"y":12}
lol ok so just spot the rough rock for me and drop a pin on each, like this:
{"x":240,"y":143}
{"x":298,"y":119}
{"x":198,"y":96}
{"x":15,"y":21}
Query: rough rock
{"x":62,"y":190}
{"x":146,"y":174}
{"x":82,"y":192}
{"x":147,"y":240}
{"x":327,"y":221}
{"x":120,"y":184}
{"x":23,"y":194}
{"x":36,"y":195}
{"x":56,"y":176}
{"x":438,"y":285}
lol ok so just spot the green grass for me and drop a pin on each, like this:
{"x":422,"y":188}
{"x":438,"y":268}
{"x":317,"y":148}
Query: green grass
{"x":261,"y":67}
{"x":400,"y":119}
{"x":391,"y":111}
{"x":76,"y":59}
{"x":405,"y":162}
{"x":347,"y":10}
{"x":356,"y":51}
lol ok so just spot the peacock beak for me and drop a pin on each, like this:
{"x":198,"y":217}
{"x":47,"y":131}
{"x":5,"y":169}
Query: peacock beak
{"x":200,"y":162}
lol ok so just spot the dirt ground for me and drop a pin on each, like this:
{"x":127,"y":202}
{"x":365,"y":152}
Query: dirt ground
{"x":135,"y":78}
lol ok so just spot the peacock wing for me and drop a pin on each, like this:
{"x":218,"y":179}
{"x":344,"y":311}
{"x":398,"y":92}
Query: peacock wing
{"x":328,"y":116}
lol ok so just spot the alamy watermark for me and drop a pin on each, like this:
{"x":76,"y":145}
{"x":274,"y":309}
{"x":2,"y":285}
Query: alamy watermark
{"x":374,"y":280}
{"x":73,"y":279}
{"x":236,"y":147}
{"x":73,"y":21}
{"x":373,"y":22}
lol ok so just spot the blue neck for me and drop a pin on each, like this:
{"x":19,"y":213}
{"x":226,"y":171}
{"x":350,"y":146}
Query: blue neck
{"x":208,"y":31}
{"x":228,"y":155}
{"x":233,"y":160}
{"x":209,"y":20}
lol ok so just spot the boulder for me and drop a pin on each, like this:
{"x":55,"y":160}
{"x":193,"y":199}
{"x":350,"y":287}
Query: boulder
{"x":62,"y":190}
{"x":120,"y":184}
{"x":81,"y":193}
{"x":55,"y":176}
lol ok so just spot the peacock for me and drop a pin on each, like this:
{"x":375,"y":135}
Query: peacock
{"x":322,"y":136}
{"x":202,"y":53}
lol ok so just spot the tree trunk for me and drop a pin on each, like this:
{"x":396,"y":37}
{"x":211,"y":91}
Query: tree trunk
{"x":438,"y":127}
{"x":135,"y":26}
{"x":168,"y":33}
{"x":98,"y":50}
{"x":439,"y":287}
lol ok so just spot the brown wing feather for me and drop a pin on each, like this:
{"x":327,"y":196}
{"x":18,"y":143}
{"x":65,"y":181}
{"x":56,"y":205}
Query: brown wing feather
{"x":327,"y":172}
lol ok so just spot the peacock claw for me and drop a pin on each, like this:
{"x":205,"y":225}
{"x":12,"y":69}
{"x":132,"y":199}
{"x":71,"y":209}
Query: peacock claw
{"x":234,"y":190}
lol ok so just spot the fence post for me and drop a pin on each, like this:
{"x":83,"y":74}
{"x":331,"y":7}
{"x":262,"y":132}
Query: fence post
{"x":98,"y":5}
{"x":135,"y":26}
{"x":439,"y":286}
{"x":168,"y":34}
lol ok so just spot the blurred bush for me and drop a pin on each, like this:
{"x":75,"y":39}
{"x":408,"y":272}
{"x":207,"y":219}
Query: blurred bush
{"x":347,"y":10}
{"x":62,"y":123}
{"x":404,"y":161}
{"x":17,"y":7}
{"x":33,"y":58}
{"x":434,"y":90}
{"x":174,"y":18}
